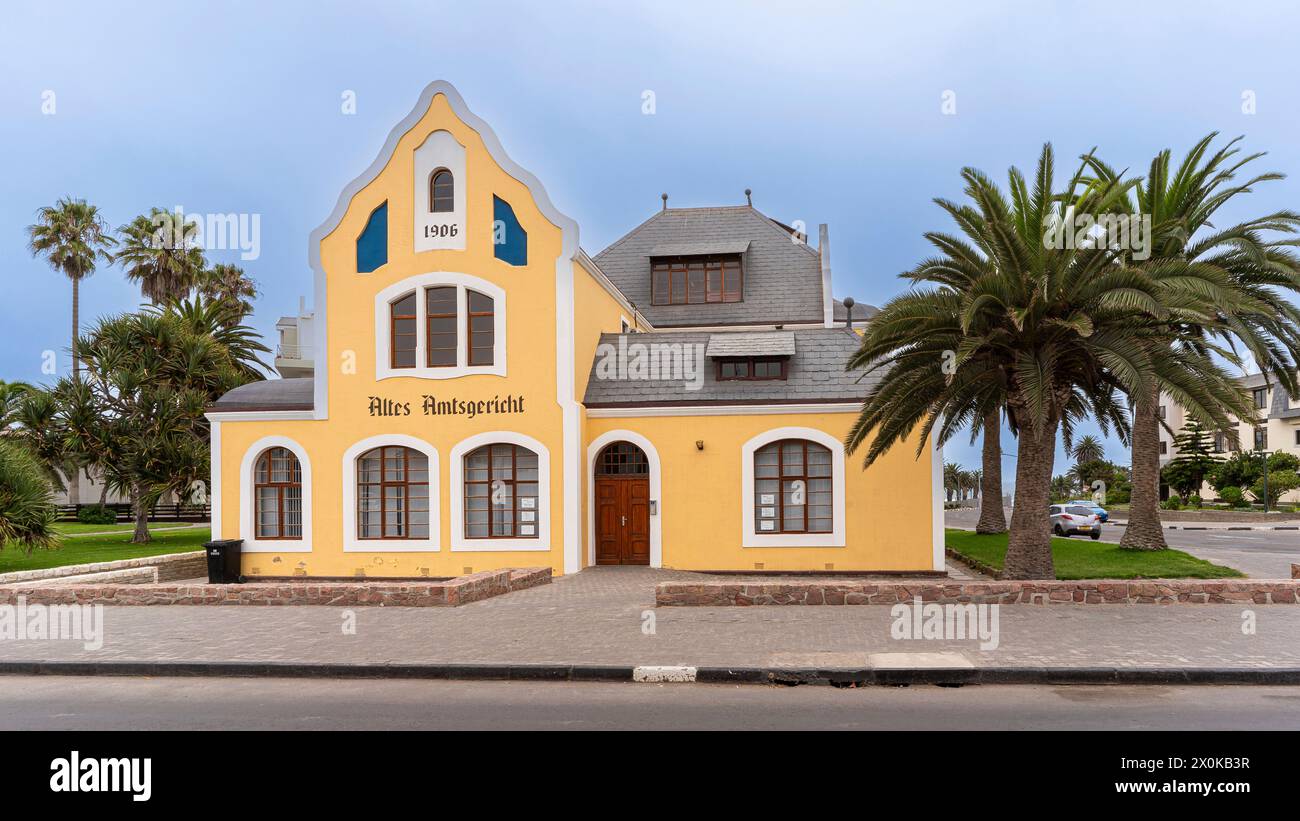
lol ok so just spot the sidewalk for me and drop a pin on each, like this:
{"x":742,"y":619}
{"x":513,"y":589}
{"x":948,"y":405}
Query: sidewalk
{"x":606,"y":617}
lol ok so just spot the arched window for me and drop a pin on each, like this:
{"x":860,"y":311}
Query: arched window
{"x":277,"y":495}
{"x":442,"y":191}
{"x":501,"y":499}
{"x":792,"y":488}
{"x":622,"y":459}
{"x":403,"y":330}
{"x":392,"y":494}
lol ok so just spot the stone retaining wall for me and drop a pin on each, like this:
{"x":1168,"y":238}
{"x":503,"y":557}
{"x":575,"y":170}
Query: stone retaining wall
{"x":448,"y":593}
{"x":1120,"y":591}
{"x":170,"y":567}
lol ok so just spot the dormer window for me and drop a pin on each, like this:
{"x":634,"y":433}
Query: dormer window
{"x":696,"y":279}
{"x":442,"y":192}
{"x":752,"y":368}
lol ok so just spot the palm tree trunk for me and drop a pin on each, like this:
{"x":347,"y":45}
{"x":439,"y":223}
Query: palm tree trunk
{"x":74,"y":479}
{"x":1144,"y":531}
{"x":1029,"y":546}
{"x":141,"y":535}
{"x":992,"y":518}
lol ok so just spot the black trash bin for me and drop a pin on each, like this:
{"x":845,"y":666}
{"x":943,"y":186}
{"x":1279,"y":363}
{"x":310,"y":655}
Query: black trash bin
{"x":223,"y":560}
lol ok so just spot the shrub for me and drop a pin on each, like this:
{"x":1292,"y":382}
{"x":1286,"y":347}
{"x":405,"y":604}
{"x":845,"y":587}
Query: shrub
{"x":1194,"y":501}
{"x":1231,"y":495}
{"x":96,"y":515}
{"x":1280,"y":482}
{"x":27,"y":509}
{"x":1172,"y":503}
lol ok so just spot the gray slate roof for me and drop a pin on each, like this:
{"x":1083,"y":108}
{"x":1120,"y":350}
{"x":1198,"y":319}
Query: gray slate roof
{"x":268,"y":395}
{"x":782,"y":283}
{"x":753,"y":343}
{"x":861,"y":311}
{"x":816,"y":374}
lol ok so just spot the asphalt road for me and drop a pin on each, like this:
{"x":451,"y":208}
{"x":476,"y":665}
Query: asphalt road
{"x":71,"y":703}
{"x":1260,"y":554}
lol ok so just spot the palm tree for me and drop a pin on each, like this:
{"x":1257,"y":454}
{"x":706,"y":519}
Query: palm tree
{"x":1088,"y":449}
{"x":993,"y":519}
{"x":1256,"y":271}
{"x":160,"y":251}
{"x":951,"y":480}
{"x":1053,"y":330}
{"x":72,"y":236}
{"x":229,"y":283}
{"x":11,"y":399}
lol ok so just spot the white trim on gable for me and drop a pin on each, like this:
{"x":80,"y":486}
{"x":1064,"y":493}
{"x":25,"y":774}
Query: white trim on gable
{"x":571,"y":458}
{"x":351,"y":542}
{"x":752,"y":539}
{"x":417,"y":283}
{"x":457,"y":478}
{"x":248,"y":505}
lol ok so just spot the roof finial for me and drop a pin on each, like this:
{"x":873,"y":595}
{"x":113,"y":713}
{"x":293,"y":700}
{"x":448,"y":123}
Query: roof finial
{"x":848,"y":309}
{"x":664,"y":197}
{"x":749,"y":200}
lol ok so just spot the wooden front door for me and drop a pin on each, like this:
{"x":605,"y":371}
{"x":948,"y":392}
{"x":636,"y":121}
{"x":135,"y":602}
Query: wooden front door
{"x":622,"y":506}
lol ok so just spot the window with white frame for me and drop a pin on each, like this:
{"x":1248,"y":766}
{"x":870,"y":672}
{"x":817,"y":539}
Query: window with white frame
{"x":792,"y":489}
{"x":392,"y":494}
{"x":277,"y":495}
{"x":501,"y":493}
{"x":437,"y":326}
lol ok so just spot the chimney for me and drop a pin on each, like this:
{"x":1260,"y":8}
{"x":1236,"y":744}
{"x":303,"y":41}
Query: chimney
{"x":824,"y":251}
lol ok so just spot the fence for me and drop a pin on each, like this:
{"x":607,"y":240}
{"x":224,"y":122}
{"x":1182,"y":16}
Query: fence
{"x":159,"y":513}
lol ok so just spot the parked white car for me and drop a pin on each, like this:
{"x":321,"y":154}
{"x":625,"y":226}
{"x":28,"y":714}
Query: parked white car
{"x":1067,"y":520}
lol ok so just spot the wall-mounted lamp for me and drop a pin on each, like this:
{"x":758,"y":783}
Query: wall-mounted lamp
{"x":699,"y":444}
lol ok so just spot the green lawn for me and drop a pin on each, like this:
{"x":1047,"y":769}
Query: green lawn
{"x":77,"y":528}
{"x":1082,"y":558}
{"x":84,"y":549}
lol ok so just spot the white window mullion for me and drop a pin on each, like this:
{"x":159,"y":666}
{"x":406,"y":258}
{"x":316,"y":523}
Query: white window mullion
{"x":462,"y":327}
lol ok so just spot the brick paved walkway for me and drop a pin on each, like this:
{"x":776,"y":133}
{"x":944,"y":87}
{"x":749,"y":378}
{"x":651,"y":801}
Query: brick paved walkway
{"x":600,"y":616}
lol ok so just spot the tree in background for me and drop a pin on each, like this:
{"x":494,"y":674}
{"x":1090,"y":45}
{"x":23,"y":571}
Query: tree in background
{"x":229,"y":284}
{"x":149,"y":378}
{"x":1194,"y":463}
{"x":160,"y":252}
{"x":993,"y":519}
{"x":72,"y":237}
{"x":1088,"y":449}
{"x":27,"y":509}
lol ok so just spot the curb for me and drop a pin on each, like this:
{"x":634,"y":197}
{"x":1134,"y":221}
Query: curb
{"x":840,"y":677}
{"x":1216,"y":527}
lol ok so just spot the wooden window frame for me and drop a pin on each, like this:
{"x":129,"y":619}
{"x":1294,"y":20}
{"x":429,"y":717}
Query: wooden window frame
{"x":280,"y":488}
{"x":682,"y":265}
{"x":470,"y":313}
{"x":383,"y":484}
{"x":433,"y":199}
{"x":781,"y":478}
{"x":454,"y":316}
{"x":393,"y":317}
{"x":622,"y":449}
{"x":750,"y":362}
{"x":513,"y":481}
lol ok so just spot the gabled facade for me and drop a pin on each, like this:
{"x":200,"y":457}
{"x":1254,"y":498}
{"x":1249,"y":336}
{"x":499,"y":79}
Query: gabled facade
{"x":484,"y":394}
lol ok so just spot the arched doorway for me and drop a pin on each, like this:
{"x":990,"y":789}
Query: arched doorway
{"x":622,"y":505}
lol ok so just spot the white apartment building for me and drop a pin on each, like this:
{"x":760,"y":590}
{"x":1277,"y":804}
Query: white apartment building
{"x":1277,"y":427}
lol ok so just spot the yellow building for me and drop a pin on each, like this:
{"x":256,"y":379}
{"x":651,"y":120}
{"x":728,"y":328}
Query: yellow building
{"x":484,"y":394}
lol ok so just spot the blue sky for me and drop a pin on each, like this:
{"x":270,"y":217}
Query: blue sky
{"x":830,"y":112}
